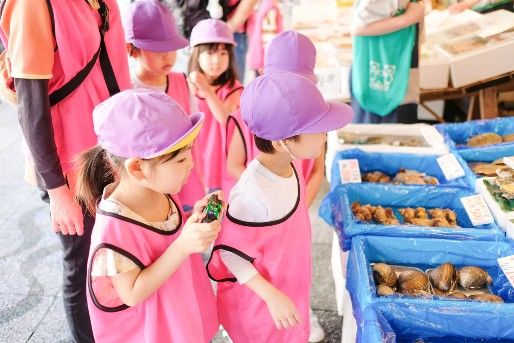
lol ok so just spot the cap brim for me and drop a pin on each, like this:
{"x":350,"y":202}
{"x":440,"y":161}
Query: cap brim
{"x":174,"y":43}
{"x":338,"y":115}
{"x":186,"y":139}
{"x":223,"y":41}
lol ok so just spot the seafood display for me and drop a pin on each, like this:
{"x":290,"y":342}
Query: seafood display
{"x":489,"y":138}
{"x":436,"y":217}
{"x":393,"y":140}
{"x":404,"y":176}
{"x":501,"y":188}
{"x":466,"y":283}
{"x":486,"y":169}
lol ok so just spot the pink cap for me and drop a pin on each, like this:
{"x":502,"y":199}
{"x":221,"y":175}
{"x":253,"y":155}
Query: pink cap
{"x":281,"y":105}
{"x":291,"y":51}
{"x":211,"y":31}
{"x":144,"y":123}
{"x":151,"y":26}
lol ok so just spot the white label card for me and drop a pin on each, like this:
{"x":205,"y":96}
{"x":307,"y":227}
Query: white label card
{"x":507,"y":266}
{"x":350,"y":171}
{"x":477,"y":210}
{"x":451,"y":167}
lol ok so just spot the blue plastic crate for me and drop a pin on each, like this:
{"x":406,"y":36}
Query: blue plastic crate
{"x":456,"y":136}
{"x":391,"y":163}
{"x":438,"y":319}
{"x":336,"y":210}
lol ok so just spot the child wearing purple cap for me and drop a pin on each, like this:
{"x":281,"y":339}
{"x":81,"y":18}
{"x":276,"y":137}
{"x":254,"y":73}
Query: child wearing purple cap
{"x":153,"y":40}
{"x":146,"y":281}
{"x":289,"y":51}
{"x":217,"y":91}
{"x":261,"y":259}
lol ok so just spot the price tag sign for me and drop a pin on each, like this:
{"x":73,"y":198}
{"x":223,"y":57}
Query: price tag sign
{"x":509,"y":161}
{"x":329,"y":80}
{"x":450,"y":166}
{"x":477,"y":210}
{"x":507,"y":266}
{"x":350,"y":171}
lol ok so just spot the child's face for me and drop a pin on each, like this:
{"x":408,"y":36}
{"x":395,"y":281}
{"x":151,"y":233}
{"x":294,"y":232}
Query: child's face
{"x":168,"y":176}
{"x":308,"y":146}
{"x":215,"y":62}
{"x":156,"y":63}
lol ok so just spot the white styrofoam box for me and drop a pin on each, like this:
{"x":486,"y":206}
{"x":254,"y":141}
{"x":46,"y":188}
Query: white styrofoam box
{"x":485,"y":63}
{"x":434,"y":74}
{"x":502,"y":218}
{"x":436,"y":22}
{"x":428,"y":132}
{"x":510,"y":229}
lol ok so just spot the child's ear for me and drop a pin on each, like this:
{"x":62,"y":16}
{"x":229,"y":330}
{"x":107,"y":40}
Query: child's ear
{"x":132,"y":50}
{"x":133,"y":168}
{"x":277,"y":145}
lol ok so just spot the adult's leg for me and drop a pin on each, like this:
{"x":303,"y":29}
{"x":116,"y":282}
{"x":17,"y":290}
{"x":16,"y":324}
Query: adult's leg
{"x":75,"y":255}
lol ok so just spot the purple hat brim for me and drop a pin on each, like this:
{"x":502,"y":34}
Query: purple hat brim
{"x":208,"y":41}
{"x":172,"y":44}
{"x":187,"y":138}
{"x":338,"y":116}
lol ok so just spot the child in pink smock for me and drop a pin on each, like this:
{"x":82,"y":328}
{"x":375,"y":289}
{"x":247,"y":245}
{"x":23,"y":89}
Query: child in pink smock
{"x":212,"y":74}
{"x":153,"y":40}
{"x":146,"y":280}
{"x":261,"y":259}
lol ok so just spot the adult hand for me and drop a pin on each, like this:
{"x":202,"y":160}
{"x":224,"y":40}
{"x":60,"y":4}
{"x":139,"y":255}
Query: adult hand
{"x":458,"y":7}
{"x":66,"y":212}
{"x":416,"y":10}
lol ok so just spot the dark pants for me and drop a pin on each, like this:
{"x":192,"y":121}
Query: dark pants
{"x":75,"y":254}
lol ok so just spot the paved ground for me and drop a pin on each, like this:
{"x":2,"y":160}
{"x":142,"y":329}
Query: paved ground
{"x":30,"y":269}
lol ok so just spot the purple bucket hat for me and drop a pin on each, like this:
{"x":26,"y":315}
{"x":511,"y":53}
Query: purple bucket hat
{"x":211,"y":31}
{"x":150,"y":26}
{"x":291,"y":51}
{"x":144,"y":123}
{"x":282,"y":105}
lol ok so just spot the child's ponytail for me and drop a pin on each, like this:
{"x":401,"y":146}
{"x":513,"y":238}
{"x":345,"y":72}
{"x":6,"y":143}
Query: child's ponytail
{"x":95,"y":172}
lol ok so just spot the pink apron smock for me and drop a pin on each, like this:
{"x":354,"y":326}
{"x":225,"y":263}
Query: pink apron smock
{"x":281,"y":252}
{"x":72,"y":117}
{"x":183,"y":309}
{"x":210,"y":139}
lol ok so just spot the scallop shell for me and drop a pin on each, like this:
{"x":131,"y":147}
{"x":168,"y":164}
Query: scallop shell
{"x":383,"y":290}
{"x":473,"y":277}
{"x":384,"y":274}
{"x":443,"y":277}
{"x":486,"y":298}
{"x":412,"y":280}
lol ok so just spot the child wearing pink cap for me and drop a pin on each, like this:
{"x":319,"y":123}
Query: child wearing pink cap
{"x":153,"y":40}
{"x":267,"y":228}
{"x":217,"y":91}
{"x":146,"y":280}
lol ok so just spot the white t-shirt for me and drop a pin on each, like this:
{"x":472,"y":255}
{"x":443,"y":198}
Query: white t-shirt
{"x":259,"y":196}
{"x":370,"y":11}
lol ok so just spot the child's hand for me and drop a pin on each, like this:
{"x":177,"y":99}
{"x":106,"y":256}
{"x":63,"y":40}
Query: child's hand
{"x":283,"y":311}
{"x":199,"y":81}
{"x":197,"y":237}
{"x":200,"y":204}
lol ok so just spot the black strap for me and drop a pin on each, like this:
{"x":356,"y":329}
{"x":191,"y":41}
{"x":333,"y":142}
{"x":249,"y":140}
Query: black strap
{"x":110,"y":79}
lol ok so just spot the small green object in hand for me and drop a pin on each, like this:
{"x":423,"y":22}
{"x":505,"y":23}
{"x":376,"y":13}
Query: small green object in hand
{"x":213,"y":209}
